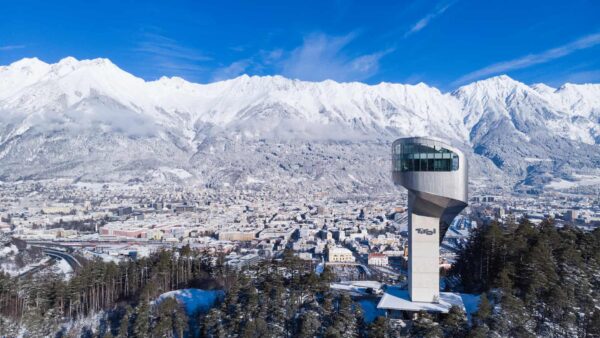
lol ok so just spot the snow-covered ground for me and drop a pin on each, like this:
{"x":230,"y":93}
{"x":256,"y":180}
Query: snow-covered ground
{"x":319,"y":268}
{"x":471,"y":303}
{"x":105,"y":257}
{"x":153,"y":130}
{"x":62,"y":267}
{"x":399,"y":299}
{"x":8,"y":250}
{"x":13,"y":270}
{"x":357,"y":287}
{"x":579,"y":181}
{"x":370,"y":310}
{"x":194,"y":300}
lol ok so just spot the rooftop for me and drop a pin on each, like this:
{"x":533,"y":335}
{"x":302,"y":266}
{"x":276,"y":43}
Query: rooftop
{"x":398,"y":299}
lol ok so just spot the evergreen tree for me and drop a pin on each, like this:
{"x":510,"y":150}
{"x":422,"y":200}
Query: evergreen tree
{"x":346,"y":320}
{"x":180,"y":321}
{"x":333,"y":332}
{"x":309,"y":324}
{"x":379,"y":328}
{"x":478,"y":331}
{"x":484,"y":311}
{"x":454,"y":323}
{"x":425,"y":326}
{"x":512,"y":319}
{"x":593,"y":326}
{"x":213,"y":324}
{"x":124,"y":324}
{"x":141,"y":324}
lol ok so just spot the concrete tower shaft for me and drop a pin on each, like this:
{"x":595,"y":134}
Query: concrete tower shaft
{"x":435,"y":175}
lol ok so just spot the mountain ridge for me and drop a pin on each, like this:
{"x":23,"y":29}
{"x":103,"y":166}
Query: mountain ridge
{"x":498,"y":120}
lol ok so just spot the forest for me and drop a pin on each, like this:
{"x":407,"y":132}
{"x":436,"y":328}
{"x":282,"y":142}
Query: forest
{"x":535,"y":280}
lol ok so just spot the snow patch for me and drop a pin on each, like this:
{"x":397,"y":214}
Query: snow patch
{"x":370,"y":310}
{"x":64,"y":268}
{"x":8,"y":250}
{"x":579,"y":181}
{"x":194,"y":300}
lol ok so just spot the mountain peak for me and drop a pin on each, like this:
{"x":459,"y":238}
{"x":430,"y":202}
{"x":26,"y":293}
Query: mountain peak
{"x":27,"y":62}
{"x":69,"y":60}
{"x":500,"y":80}
{"x":497,"y":86}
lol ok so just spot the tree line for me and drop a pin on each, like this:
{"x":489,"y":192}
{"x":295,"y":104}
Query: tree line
{"x":535,"y":280}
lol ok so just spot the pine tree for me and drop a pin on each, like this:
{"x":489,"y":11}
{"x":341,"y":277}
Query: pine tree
{"x":141,"y":324}
{"x":379,"y":328}
{"x":346,"y":319}
{"x":180,"y":321}
{"x":484,"y":310}
{"x":513,"y":318}
{"x":479,"y":331}
{"x":333,"y":332}
{"x":213,"y":324}
{"x":454,"y":323}
{"x":425,"y":326}
{"x":593,"y":326}
{"x":232,"y":307}
{"x":309,"y":324}
{"x":124,"y":324}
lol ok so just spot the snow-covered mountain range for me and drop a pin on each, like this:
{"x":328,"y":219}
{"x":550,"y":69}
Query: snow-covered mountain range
{"x":90,"y":120}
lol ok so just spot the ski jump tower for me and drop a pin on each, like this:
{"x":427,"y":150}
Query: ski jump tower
{"x":435,"y":175}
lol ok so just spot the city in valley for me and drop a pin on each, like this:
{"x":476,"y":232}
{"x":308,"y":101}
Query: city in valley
{"x":362,"y":237}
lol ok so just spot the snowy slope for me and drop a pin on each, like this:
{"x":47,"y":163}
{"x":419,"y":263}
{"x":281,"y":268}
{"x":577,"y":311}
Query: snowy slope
{"x":91,"y":120}
{"x":194,"y":300}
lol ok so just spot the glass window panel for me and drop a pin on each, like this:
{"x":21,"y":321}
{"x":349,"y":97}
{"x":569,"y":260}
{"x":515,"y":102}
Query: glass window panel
{"x":427,"y":156}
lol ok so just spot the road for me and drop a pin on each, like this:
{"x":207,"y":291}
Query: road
{"x":56,"y":251}
{"x":73,"y":262}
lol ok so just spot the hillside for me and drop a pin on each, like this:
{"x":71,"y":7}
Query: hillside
{"x":90,"y":120}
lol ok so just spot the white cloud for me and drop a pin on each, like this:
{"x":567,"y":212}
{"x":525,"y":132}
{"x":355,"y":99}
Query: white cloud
{"x":423,"y":22}
{"x":169,"y":57}
{"x":163,"y":46}
{"x":322,"y":57}
{"x":233,"y":70}
{"x":11,"y":47}
{"x":587,"y":76}
{"x":532,"y":59}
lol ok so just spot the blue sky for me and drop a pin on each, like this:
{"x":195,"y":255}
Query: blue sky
{"x":441,"y":43}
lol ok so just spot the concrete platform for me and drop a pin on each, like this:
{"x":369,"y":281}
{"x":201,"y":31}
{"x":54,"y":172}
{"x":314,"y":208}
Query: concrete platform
{"x":399,"y":300}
